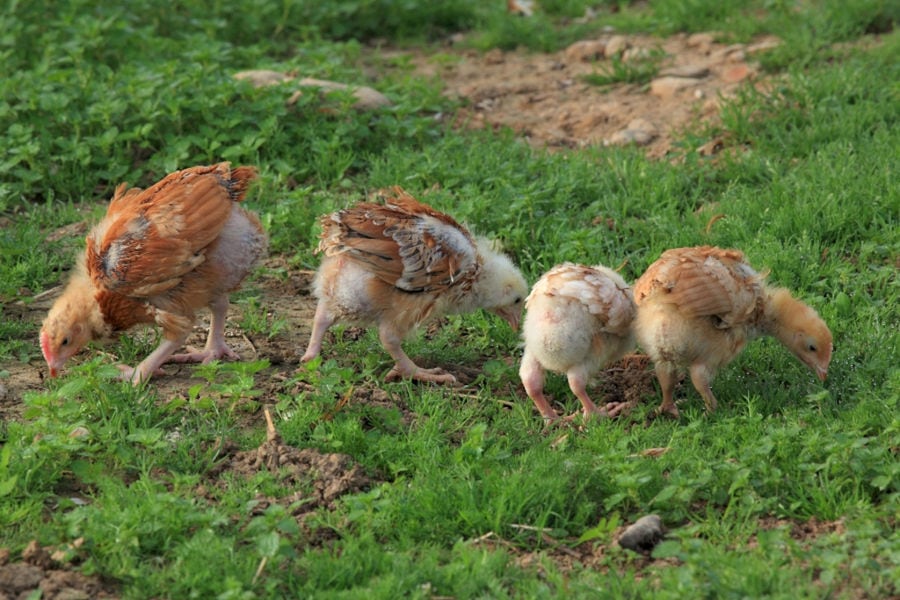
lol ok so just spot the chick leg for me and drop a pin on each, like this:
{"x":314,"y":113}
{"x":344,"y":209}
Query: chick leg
{"x":701,"y":377}
{"x":578,"y":379}
{"x":150,"y":365}
{"x":668,"y":377}
{"x":321,"y":322}
{"x":405,"y":368}
{"x":216,"y":347}
{"x":532,"y":374}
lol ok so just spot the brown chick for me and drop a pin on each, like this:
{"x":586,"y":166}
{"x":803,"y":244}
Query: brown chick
{"x":401,"y":263}
{"x":158,"y":256}
{"x":578,"y":320}
{"x":698,"y":307}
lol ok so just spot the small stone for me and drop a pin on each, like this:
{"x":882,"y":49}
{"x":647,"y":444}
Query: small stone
{"x":640,"y":124}
{"x":585,"y":51}
{"x":262,"y":77}
{"x":763,"y":46}
{"x":666,"y":87}
{"x":615,"y":46}
{"x":643,"y":535}
{"x":638,"y":137}
{"x":700,"y":39}
{"x":736,"y":73}
{"x":689,"y":71}
{"x":366,"y":97}
{"x":736,"y":56}
{"x":71,"y":594}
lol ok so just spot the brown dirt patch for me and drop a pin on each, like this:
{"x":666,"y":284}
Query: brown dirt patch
{"x":48,"y":572}
{"x":318,"y":478}
{"x":544,"y":98}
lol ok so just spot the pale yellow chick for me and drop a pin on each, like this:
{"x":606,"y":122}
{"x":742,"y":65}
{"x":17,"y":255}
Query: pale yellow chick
{"x":578,"y":320}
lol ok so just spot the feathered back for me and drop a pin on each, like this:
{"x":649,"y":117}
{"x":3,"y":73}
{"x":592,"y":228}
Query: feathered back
{"x":600,"y":290}
{"x":151,"y":238}
{"x":403,"y":242}
{"x":703,"y":281}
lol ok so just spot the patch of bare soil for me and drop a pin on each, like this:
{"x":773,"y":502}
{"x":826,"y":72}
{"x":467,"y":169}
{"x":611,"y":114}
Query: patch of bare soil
{"x":318,"y":478}
{"x":46,"y":572}
{"x":545,"y":98}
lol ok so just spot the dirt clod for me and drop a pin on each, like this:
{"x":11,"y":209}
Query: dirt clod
{"x":39,"y":574}
{"x":320,"y":478}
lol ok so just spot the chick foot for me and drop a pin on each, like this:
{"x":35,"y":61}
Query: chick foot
{"x":435,"y":375}
{"x":205,"y":356}
{"x":132,"y":374}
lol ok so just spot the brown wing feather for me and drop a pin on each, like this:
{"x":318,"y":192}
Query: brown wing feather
{"x":702,"y":281}
{"x":404,"y":243}
{"x":154,"y":237}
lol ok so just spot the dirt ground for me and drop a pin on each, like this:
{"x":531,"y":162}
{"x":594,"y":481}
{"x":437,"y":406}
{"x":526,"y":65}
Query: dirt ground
{"x":545,"y":98}
{"x":542,"y":97}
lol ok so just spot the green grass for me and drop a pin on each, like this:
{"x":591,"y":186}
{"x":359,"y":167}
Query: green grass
{"x":95,"y":95}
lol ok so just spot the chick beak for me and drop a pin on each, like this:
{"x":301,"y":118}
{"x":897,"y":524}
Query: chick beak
{"x":510,"y":315}
{"x":822,"y":373}
{"x":48,"y":355}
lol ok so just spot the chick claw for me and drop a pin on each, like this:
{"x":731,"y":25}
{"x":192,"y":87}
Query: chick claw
{"x":435,"y":375}
{"x":133,"y":375}
{"x":205,"y":356}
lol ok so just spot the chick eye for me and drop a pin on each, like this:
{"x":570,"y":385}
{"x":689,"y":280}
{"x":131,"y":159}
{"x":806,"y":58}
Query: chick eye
{"x":65,"y":342}
{"x":518,"y":299}
{"x":811,"y":347}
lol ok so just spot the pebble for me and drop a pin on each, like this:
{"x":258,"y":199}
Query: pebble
{"x":736,"y":73}
{"x":615,"y":46}
{"x":700,"y":39}
{"x":638,"y":137}
{"x":262,"y":77}
{"x":585,"y":51}
{"x":639,"y":132}
{"x":666,"y":87}
{"x":643,"y":535}
{"x":366,"y":97}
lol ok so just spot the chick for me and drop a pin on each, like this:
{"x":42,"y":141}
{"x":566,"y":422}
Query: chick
{"x":158,"y":256}
{"x":698,"y":308}
{"x":578,"y":320}
{"x":398,"y":264}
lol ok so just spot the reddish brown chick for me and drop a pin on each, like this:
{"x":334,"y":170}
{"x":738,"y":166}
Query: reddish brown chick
{"x":158,"y":256}
{"x":698,"y":308}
